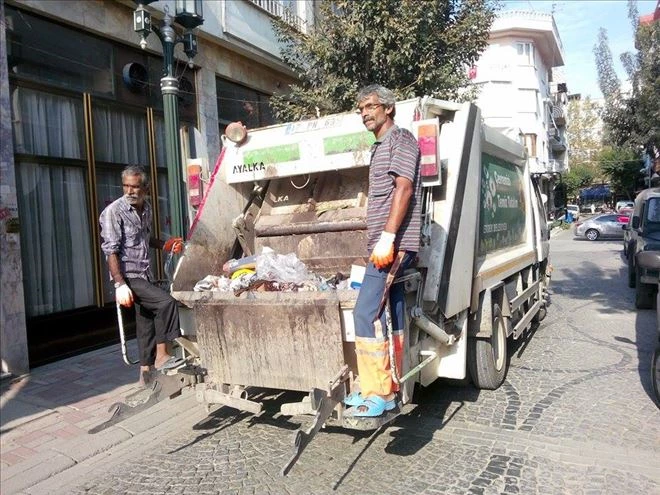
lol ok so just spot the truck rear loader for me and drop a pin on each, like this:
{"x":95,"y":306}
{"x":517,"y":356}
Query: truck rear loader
{"x":481,"y":276}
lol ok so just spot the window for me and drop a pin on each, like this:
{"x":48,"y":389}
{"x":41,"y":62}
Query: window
{"x":495,"y":99}
{"x":238,"y":103}
{"x":525,"y":52}
{"x":40,"y":50}
{"x":530,"y":144}
{"x":51,"y":69}
{"x":653,"y":210}
{"x":52,"y":191}
{"x":527,"y":101}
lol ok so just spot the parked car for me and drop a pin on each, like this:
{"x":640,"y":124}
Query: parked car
{"x":574,"y":210}
{"x":644,"y":236}
{"x":603,"y":226}
{"x":628,"y":205}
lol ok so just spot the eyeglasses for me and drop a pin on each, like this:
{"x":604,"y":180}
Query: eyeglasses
{"x":369,"y":107}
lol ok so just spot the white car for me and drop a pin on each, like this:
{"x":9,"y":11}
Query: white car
{"x":574,"y":210}
{"x":624,"y":204}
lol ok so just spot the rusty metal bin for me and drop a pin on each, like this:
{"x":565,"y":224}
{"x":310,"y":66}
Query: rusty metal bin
{"x":283,"y":340}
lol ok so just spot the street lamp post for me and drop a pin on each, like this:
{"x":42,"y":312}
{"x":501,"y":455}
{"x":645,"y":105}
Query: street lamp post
{"x":189,"y":15}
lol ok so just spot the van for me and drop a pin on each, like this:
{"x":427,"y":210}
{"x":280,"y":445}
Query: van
{"x":624,"y":204}
{"x":644,"y":235}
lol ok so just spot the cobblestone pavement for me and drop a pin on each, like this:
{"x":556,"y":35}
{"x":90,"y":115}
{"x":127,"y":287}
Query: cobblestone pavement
{"x":574,"y":416}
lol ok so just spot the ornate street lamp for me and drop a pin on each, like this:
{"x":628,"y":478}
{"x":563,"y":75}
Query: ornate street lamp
{"x":188,"y":15}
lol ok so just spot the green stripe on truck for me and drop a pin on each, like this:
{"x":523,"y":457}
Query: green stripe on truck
{"x":273,"y":154}
{"x":345,"y":143}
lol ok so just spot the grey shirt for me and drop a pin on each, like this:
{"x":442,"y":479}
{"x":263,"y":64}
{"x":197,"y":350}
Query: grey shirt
{"x":126,"y":233}
{"x":395,"y":154}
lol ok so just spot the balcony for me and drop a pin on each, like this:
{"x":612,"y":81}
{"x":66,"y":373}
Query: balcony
{"x":537,"y":166}
{"x":558,"y":114}
{"x":558,"y":166}
{"x":276,"y":8}
{"x":557,"y":142}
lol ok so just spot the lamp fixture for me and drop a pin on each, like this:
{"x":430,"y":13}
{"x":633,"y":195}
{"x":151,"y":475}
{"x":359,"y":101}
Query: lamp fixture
{"x":188,"y":15}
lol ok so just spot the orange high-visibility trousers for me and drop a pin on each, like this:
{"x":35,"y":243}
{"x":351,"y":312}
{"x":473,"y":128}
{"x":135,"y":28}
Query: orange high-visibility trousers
{"x":371,"y":343}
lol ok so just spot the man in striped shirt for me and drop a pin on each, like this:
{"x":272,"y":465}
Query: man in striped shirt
{"x":126,"y":240}
{"x":393,"y":230}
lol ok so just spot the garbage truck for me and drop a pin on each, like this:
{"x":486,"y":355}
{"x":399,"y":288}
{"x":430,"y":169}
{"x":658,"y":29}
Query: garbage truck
{"x":299,"y":190}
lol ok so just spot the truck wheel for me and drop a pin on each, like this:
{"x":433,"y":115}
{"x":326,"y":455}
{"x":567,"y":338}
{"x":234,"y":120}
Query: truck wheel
{"x":540,"y":315}
{"x":632,"y":280}
{"x":643,"y":292}
{"x":487,"y":358}
{"x":655,"y":373}
{"x":591,"y":234}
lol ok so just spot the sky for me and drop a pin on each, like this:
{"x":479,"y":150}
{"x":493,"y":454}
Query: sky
{"x":578,"y":22}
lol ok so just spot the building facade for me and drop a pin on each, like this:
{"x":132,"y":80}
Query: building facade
{"x":80,"y":101}
{"x":523,"y":93}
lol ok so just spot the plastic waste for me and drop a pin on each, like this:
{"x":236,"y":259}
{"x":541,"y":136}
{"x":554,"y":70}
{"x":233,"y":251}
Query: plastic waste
{"x":247,"y":262}
{"x":281,"y":268}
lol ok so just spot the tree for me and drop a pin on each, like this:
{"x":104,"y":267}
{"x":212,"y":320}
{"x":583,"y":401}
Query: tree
{"x":576,"y":178}
{"x":621,"y":166}
{"x":616,"y":112}
{"x":632,"y":121}
{"x":413,"y":47}
{"x":646,"y":86}
{"x":585,"y":133}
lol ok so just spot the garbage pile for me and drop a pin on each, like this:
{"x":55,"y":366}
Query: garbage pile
{"x":271,"y":272}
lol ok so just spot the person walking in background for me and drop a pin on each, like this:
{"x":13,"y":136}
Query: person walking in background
{"x":126,"y":239}
{"x":593,"y":208}
{"x":393,"y":231}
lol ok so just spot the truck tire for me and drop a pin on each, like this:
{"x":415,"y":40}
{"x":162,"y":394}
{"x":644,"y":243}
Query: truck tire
{"x":655,"y":373}
{"x":487,"y":357}
{"x":632,"y":279}
{"x":540,"y":315}
{"x":643,"y":292}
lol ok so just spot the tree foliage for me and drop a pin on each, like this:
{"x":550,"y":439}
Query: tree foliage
{"x":616,"y":109}
{"x":414,"y":47}
{"x":621,"y":166}
{"x":646,"y":87}
{"x":631,"y":120}
{"x":576,"y":178}
{"x":585,"y":133}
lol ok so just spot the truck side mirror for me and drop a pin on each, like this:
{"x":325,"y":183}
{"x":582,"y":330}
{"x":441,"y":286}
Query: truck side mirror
{"x":635,"y":222}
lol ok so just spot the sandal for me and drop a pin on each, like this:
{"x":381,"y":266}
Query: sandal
{"x":354,"y":399}
{"x":375,"y":406}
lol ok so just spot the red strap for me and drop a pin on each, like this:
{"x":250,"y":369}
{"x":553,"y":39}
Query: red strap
{"x":388,"y":282}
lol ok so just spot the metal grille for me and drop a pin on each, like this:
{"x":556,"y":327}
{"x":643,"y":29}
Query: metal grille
{"x":283,"y":10}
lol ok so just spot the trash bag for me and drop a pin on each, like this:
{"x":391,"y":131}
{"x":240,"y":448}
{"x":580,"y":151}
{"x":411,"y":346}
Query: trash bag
{"x":281,"y":268}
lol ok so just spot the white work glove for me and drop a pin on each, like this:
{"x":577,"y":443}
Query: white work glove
{"x":124,"y":295}
{"x":383,"y":253}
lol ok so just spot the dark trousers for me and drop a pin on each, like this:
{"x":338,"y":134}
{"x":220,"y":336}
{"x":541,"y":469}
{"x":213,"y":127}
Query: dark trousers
{"x":156,"y":318}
